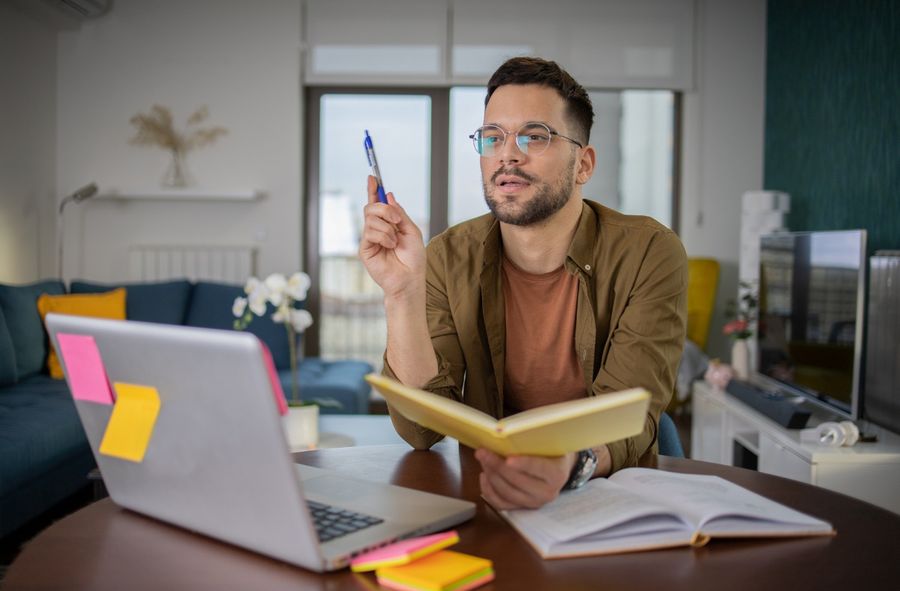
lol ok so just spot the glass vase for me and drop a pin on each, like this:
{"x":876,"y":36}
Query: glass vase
{"x":177,"y":176}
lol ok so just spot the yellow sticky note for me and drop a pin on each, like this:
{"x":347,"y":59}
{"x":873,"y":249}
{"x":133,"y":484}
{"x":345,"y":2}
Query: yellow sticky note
{"x":445,"y":570}
{"x":131,"y":424}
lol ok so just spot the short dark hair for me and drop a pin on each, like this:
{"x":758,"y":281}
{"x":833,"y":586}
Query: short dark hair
{"x":534,"y":70}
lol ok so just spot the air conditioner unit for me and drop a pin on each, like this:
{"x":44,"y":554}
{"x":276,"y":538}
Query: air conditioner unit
{"x":80,"y":9}
{"x":62,"y":14}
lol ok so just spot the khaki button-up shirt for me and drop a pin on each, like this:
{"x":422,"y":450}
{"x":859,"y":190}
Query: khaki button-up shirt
{"x":630,"y":318}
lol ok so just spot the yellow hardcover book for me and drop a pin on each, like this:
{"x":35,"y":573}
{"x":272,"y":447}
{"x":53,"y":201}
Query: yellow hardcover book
{"x":442,"y":571}
{"x":550,"y":430}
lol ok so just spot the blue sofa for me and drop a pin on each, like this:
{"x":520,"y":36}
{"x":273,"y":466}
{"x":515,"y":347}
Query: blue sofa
{"x":44,"y":455}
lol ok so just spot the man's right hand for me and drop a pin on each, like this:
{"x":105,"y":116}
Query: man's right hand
{"x":391,"y":247}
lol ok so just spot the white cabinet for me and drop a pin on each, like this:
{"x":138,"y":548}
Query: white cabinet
{"x":707,"y":430}
{"x":777,"y":459}
{"x":727,"y":431}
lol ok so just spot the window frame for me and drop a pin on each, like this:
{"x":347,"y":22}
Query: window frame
{"x":439,"y":183}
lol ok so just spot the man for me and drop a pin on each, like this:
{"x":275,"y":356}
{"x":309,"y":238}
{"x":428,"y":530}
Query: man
{"x":547,"y":298}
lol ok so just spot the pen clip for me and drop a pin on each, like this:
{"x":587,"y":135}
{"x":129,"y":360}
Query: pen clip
{"x":373,"y":163}
{"x":367,"y":143}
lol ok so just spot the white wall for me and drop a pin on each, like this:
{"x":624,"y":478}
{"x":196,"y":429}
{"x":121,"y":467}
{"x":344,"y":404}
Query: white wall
{"x":724,"y":124}
{"x":243,"y":60}
{"x":240,"y":58}
{"x":27,"y":147}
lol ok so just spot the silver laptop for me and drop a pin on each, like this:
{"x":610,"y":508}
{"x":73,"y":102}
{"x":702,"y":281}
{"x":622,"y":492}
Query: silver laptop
{"x":217,"y":461}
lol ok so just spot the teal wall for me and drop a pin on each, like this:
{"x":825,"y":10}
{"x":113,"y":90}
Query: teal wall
{"x":833,"y":114}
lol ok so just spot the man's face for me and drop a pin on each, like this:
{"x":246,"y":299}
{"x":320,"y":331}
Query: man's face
{"x":525,"y":189}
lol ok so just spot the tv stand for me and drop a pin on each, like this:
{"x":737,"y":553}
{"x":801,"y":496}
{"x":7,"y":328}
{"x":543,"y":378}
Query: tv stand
{"x":725,"y":430}
{"x":784,"y":410}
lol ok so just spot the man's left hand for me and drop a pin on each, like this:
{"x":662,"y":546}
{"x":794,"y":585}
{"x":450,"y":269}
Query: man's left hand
{"x":522,"y":482}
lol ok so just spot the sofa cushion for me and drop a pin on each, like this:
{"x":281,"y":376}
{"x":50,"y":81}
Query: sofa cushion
{"x":340,"y":381}
{"x":164,"y":302}
{"x":211,"y":305}
{"x":7,"y":355}
{"x":39,"y":430}
{"x":19,"y":305}
{"x":109,"y":304}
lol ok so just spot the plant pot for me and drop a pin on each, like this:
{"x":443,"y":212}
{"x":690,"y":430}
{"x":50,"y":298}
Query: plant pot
{"x":740,"y":359}
{"x":301,"y":427}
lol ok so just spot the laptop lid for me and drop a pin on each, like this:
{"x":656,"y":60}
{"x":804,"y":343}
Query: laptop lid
{"x":216,"y":459}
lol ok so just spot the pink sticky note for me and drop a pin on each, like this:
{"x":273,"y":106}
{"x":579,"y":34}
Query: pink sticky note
{"x":403,"y":552}
{"x":277,"y":391}
{"x":84,"y":366}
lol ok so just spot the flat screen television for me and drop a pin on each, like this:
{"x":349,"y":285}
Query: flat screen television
{"x":811,"y":316}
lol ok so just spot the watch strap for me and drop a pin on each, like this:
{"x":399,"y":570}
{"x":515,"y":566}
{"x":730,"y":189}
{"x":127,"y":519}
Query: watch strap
{"x":585,"y":464}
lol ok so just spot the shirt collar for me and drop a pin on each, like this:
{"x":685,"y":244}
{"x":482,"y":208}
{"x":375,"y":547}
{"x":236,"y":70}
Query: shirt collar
{"x":587,"y":235}
{"x":491,"y":243}
{"x":580,"y":252}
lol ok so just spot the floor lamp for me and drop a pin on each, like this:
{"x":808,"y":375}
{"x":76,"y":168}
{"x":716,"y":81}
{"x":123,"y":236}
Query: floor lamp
{"x":85,"y":192}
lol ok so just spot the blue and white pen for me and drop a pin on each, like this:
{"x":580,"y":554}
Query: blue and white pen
{"x":373,"y":162}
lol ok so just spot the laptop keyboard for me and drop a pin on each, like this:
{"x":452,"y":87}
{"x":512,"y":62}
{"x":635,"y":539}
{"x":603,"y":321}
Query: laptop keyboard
{"x":334,"y":522}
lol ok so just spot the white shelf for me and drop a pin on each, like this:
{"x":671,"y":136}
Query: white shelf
{"x":750,"y":441}
{"x":867,"y":471}
{"x":180,"y":195}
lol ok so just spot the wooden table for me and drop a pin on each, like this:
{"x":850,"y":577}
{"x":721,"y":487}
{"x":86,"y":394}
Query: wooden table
{"x":105,"y":547}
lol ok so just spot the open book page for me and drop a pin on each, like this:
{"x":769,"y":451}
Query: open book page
{"x":605,"y":543}
{"x":718,"y":507}
{"x":599,"y":507}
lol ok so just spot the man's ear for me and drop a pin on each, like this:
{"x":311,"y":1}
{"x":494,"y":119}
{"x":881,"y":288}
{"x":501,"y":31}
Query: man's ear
{"x":584,"y":168}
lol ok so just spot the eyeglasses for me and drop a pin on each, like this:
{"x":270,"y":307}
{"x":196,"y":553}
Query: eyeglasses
{"x":532,"y":139}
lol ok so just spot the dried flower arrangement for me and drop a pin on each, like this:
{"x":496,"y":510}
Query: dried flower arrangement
{"x":156,"y":128}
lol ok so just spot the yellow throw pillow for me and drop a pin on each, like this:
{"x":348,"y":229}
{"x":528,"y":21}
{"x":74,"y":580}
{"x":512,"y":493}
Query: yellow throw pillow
{"x":110,"y":304}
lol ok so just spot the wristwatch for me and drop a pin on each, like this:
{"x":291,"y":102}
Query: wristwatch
{"x":585,"y":464}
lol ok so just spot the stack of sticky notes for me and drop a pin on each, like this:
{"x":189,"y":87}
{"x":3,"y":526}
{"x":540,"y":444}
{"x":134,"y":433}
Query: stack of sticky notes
{"x":422,"y":564}
{"x":442,"y":571}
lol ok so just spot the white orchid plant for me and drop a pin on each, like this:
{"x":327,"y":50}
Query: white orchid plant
{"x":282,"y":293}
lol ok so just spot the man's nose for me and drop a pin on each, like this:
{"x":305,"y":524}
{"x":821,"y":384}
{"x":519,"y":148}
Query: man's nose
{"x":510,"y":152}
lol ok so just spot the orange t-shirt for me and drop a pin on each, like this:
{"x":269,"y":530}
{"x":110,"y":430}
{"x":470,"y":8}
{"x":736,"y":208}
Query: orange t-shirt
{"x":541,"y":366}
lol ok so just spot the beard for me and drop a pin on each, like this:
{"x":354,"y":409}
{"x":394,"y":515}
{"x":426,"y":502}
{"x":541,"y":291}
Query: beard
{"x":547,"y":200}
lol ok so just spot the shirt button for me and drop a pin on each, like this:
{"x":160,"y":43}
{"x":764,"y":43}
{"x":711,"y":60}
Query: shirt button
{"x":587,"y":267}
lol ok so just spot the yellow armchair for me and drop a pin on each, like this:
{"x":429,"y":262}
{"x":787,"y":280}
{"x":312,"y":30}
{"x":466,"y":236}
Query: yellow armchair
{"x":703,"y":280}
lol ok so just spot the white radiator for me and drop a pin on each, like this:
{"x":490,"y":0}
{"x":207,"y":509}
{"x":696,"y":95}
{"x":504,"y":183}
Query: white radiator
{"x":226,"y":264}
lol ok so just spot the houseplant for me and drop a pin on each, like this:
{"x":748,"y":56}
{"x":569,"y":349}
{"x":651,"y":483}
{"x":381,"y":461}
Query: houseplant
{"x":301,"y":422}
